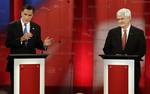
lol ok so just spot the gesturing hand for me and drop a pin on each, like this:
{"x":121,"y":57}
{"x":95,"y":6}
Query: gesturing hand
{"x":48,"y":41}
{"x":26,"y":36}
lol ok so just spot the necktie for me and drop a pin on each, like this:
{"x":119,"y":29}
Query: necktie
{"x":124,"y":39}
{"x":25,"y":28}
{"x":25,"y":31}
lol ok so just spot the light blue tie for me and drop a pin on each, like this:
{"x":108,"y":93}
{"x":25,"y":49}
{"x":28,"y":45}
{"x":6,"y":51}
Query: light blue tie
{"x":25,"y":28}
{"x":25,"y":31}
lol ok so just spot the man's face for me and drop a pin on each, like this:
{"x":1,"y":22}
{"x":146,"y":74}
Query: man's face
{"x":123,"y":21}
{"x":26,"y":15}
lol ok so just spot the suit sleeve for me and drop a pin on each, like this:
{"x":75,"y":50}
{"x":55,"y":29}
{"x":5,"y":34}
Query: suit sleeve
{"x":12,"y":40}
{"x":142,"y":44}
{"x":107,"y":46}
{"x":39,"y":42}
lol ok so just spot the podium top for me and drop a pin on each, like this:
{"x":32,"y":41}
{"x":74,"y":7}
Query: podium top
{"x":27,"y":55}
{"x":135,"y":57}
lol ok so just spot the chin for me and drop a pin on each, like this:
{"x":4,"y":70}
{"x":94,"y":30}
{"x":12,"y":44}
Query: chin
{"x":122,"y":26}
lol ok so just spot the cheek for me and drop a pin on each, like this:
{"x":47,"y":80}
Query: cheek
{"x":123,"y":22}
{"x":120,"y":22}
{"x":30,"y":17}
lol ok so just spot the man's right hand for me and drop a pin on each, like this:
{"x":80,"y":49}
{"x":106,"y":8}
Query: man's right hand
{"x":26,"y":37}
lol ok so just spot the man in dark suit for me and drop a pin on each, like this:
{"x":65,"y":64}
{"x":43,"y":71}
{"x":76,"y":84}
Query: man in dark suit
{"x":24,"y":36}
{"x":126,"y":40}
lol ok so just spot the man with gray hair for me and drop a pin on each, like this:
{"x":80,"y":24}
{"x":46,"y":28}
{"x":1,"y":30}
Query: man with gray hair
{"x":124,"y":12}
{"x":126,"y":39}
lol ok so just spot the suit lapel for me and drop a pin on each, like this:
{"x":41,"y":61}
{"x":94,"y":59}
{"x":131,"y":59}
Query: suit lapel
{"x":32,"y":29}
{"x":119,"y":38}
{"x":20,"y":30}
{"x":131,"y":33}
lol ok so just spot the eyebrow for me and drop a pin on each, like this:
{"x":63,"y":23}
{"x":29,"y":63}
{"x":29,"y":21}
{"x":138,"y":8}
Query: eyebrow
{"x":120,"y":18}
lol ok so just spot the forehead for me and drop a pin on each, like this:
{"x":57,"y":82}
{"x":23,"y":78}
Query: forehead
{"x":27,"y":11}
{"x":122,"y":17}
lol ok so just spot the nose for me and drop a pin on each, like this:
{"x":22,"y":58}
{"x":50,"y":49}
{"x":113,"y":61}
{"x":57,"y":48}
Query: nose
{"x":27,"y":16}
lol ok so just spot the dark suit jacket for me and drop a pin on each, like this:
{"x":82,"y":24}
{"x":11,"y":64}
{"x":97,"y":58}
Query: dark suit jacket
{"x":136,"y":44}
{"x":14,"y":33}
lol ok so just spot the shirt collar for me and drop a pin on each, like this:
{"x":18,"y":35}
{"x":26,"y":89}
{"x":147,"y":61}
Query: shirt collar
{"x":128,"y":28}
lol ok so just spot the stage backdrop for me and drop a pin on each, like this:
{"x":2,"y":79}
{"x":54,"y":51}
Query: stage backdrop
{"x":56,"y":18}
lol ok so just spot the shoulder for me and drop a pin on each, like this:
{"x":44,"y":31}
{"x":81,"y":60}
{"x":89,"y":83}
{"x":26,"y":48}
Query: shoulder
{"x":34,"y":24}
{"x":136,"y":29}
{"x":114,"y":30}
{"x":14,"y":22}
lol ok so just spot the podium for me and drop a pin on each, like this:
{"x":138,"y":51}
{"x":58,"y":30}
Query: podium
{"x":119,"y":73}
{"x":29,"y":70}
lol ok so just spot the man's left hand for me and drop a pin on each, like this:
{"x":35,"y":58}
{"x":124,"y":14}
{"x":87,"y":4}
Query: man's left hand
{"x":48,"y":41}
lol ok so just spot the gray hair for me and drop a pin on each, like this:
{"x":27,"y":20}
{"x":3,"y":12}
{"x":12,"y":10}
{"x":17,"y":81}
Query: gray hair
{"x":124,"y":12}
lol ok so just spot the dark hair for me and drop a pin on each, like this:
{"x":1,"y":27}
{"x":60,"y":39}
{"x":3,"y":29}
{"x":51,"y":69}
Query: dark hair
{"x":28,"y":7}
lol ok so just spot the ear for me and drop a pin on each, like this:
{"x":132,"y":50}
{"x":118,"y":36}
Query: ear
{"x":130,"y":18}
{"x":21,"y":13}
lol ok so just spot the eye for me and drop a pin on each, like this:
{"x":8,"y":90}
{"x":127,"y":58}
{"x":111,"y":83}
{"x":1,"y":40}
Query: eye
{"x":25,"y":14}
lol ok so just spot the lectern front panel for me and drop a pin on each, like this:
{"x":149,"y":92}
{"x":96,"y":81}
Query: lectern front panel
{"x":117,"y":79}
{"x":29,"y":79}
{"x":118,"y":76}
{"x":33,"y":65}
